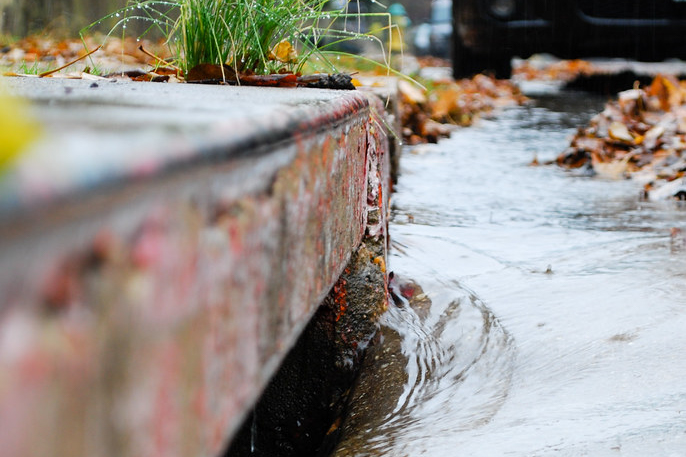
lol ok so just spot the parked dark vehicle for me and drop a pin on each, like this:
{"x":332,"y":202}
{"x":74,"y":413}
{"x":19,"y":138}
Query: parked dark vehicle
{"x":488,"y":33}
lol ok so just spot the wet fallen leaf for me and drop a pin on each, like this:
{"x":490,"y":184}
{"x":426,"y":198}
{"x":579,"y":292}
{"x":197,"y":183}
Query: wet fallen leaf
{"x":335,"y":426}
{"x":619,"y":131}
{"x":287,"y":80}
{"x":447,"y":102}
{"x":284,"y":52}
{"x":631,"y":102}
{"x":611,"y":170}
{"x":666,"y":89}
{"x":166,"y":71}
{"x":210,"y":73}
{"x":432,"y":130}
{"x":411,"y":93}
{"x":651,"y":137}
{"x":152,"y":77}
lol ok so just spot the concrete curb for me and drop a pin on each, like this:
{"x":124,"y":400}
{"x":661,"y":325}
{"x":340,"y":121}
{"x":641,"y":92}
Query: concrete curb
{"x":153,"y":281}
{"x":168,"y":128}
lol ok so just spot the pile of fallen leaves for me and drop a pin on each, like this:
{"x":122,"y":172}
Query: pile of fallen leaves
{"x":427,"y":116}
{"x":641,"y":135}
{"x":547,"y":69}
{"x":432,"y":61}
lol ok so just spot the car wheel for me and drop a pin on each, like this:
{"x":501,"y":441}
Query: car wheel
{"x":467,"y":63}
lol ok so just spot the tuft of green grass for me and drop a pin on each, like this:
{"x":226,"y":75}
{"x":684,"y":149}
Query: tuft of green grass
{"x":259,"y":36}
{"x":95,"y":70}
{"x":34,"y":68}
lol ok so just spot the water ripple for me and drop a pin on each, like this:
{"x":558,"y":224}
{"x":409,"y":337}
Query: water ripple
{"x":459,"y":366}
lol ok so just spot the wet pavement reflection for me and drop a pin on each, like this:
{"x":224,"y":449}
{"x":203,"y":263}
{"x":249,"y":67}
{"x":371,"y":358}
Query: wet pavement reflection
{"x":548,"y":310}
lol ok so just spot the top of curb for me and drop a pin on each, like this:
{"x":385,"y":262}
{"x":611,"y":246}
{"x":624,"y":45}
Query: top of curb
{"x":111,"y":132}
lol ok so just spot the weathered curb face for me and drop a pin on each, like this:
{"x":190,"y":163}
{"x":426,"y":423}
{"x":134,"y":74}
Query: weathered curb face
{"x":145,"y":317}
{"x":303,"y":407}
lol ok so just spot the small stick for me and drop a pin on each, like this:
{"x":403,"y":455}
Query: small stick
{"x":48,"y":73}
{"x":150,"y":54}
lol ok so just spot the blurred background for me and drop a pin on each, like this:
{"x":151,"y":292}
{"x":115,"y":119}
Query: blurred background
{"x":23,"y":17}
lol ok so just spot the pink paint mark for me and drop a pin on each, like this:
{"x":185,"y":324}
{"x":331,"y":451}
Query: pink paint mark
{"x":166,"y":414}
{"x":148,"y":248}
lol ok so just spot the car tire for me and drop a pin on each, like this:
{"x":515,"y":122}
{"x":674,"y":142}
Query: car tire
{"x":467,"y":63}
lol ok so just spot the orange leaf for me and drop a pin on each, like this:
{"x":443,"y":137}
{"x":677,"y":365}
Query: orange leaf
{"x":666,"y":89}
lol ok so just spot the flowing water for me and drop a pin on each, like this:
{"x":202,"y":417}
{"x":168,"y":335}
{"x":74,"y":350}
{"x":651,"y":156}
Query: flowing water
{"x":554,"y":314}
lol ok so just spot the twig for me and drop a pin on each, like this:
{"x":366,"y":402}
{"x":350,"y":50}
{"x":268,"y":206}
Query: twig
{"x":150,"y":54}
{"x":48,"y":73}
